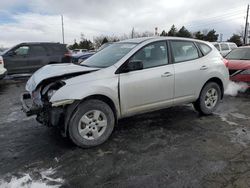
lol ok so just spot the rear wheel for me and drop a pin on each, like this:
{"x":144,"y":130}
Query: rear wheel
{"x":92,"y":124}
{"x":209,"y":99}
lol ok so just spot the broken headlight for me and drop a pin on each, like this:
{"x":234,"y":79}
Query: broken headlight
{"x":50,"y":93}
{"x":51,"y":88}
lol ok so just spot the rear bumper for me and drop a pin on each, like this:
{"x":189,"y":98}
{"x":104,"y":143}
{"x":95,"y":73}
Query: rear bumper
{"x":28,"y":110}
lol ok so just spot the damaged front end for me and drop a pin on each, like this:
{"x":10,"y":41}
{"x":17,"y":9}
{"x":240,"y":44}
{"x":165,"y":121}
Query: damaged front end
{"x":37,"y":103}
{"x":42,"y":85}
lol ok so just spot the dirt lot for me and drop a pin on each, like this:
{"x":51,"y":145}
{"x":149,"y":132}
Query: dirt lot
{"x":169,"y":148}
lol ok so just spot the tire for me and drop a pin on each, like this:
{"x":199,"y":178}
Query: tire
{"x":209,"y":99}
{"x":87,"y":125}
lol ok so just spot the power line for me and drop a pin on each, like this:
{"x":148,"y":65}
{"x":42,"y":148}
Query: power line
{"x":214,"y":22}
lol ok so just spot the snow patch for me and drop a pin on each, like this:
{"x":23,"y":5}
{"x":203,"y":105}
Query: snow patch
{"x":25,"y":181}
{"x":234,"y":88}
{"x":224,"y":116}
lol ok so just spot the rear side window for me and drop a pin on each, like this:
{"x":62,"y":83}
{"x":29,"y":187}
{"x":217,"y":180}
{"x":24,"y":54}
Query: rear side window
{"x":232,"y":46}
{"x":204,"y":48}
{"x":184,"y":51}
{"x":224,"y":47}
{"x":57,"y":49}
{"x":38,"y":51}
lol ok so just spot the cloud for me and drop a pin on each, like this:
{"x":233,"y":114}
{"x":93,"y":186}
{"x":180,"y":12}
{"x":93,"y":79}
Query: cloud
{"x":39,"y":20}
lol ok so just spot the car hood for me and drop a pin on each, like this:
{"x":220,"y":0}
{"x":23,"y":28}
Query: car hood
{"x":238,"y":64}
{"x":54,"y":71}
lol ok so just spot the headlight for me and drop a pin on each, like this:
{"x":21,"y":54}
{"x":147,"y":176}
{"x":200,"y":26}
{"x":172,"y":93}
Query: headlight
{"x":50,"y":93}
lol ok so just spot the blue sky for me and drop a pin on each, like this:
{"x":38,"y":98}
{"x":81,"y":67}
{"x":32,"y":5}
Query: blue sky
{"x":39,"y":20}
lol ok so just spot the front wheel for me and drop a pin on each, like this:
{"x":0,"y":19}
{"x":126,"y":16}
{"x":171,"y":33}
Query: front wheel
{"x":209,"y":99}
{"x":92,"y":124}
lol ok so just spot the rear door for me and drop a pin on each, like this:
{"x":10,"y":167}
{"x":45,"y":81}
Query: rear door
{"x":16,"y":60}
{"x":38,"y":57}
{"x":189,"y":69}
{"x":150,"y":88}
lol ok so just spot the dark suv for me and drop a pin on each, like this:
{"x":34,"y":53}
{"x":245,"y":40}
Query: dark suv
{"x":28,"y":57}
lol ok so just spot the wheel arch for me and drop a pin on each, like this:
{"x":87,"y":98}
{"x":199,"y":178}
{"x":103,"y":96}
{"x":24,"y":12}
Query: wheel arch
{"x":218,"y":81}
{"x":71,"y":109}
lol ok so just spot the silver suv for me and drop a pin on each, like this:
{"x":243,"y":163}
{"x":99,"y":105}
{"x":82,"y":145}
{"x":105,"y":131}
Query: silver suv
{"x":127,"y":78}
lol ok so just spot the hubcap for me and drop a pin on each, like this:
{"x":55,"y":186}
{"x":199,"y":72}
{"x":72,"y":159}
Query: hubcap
{"x":211,"y":98}
{"x":92,"y":124}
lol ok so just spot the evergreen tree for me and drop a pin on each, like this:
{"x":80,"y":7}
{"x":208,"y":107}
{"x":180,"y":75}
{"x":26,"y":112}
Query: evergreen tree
{"x":163,"y":33}
{"x":183,"y":32}
{"x":105,"y":40}
{"x":172,"y":31}
{"x":236,"y":39}
{"x":211,"y":36}
{"x":199,"y":35}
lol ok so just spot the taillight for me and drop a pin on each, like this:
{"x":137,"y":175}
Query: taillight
{"x":68,"y":53}
{"x":225,"y":62}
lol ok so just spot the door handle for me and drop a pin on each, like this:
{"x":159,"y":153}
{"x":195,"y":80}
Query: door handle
{"x":204,"y":67}
{"x":167,"y":74}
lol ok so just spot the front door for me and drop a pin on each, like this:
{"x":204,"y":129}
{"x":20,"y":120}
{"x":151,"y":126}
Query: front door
{"x":150,"y":88}
{"x":16,"y":60}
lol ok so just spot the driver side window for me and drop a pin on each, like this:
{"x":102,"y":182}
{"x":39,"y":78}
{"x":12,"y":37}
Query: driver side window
{"x":22,"y":50}
{"x":152,"y":55}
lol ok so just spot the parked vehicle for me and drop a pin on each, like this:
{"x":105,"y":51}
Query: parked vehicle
{"x":224,"y":47}
{"x":80,"y":57}
{"x":28,"y":57}
{"x":79,"y":50}
{"x":127,"y":78}
{"x":3,"y":70}
{"x":239,"y":64}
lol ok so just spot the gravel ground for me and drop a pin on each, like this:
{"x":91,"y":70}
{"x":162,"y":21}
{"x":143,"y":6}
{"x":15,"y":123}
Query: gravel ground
{"x":174,"y":147}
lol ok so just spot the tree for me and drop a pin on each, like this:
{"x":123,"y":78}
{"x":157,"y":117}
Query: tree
{"x":211,"y":36}
{"x":172,"y":31}
{"x":86,"y":44}
{"x":183,"y":32}
{"x":236,"y":39}
{"x":105,"y":40}
{"x":163,"y":33}
{"x":199,"y":35}
{"x":74,"y":46}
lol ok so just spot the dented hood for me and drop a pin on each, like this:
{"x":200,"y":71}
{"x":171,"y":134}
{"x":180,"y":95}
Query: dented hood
{"x":53,"y":71}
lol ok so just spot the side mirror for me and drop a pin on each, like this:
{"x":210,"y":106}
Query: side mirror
{"x":133,"y":66}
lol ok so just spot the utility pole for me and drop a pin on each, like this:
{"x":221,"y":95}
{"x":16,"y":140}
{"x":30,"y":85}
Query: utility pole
{"x":246,"y":27}
{"x":133,"y":33}
{"x":62,"y":29}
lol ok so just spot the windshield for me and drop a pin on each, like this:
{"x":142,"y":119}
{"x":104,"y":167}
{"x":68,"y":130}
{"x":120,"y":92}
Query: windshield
{"x":239,"y":54}
{"x":109,"y":55}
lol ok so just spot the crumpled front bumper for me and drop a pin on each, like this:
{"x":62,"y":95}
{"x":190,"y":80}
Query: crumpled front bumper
{"x":27,"y":107}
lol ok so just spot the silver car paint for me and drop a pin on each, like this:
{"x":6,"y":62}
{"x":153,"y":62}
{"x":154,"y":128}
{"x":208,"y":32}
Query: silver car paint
{"x":154,"y":91}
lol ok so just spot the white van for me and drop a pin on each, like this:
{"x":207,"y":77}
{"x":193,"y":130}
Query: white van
{"x":224,"y":47}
